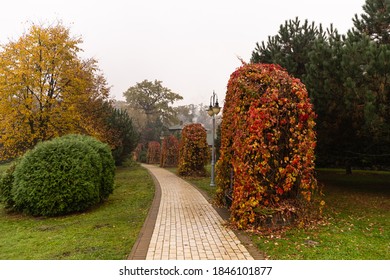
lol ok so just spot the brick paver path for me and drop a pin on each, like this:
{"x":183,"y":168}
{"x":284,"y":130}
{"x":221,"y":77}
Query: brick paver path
{"x":188,"y":227}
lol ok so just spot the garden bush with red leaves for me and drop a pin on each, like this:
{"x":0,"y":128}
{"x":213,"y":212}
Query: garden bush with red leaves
{"x":267,"y":147}
{"x":194,"y":151}
{"x":154,"y":151}
{"x":170,"y":152}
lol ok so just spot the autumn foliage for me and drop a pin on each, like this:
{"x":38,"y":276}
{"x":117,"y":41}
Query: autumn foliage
{"x":267,"y":147}
{"x":170,"y":152}
{"x":194,"y":151}
{"x":153,"y":153}
{"x":47,"y":91}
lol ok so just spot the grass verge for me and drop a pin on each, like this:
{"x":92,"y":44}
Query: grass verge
{"x":356,"y":224}
{"x":106,"y":232}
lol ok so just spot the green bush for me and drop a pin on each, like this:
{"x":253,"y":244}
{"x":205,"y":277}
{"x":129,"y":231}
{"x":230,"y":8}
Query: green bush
{"x":61,"y":176}
{"x":108,"y":163}
{"x":6,"y":181}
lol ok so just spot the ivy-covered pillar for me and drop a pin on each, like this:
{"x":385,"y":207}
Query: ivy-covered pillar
{"x":267,"y":143}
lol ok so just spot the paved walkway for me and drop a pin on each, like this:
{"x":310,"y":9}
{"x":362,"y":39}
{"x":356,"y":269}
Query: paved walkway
{"x":186,"y":226}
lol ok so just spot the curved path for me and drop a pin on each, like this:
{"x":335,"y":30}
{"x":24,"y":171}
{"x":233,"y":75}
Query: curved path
{"x":186,"y":226}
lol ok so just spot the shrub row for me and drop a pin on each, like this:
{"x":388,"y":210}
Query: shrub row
{"x":190,"y":154}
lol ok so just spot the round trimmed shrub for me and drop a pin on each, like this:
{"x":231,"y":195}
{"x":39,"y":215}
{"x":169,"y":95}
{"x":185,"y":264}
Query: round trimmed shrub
{"x":108,"y":163}
{"x":60,"y":176}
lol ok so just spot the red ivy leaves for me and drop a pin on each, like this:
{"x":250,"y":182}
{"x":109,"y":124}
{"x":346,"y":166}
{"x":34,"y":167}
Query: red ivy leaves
{"x":268,"y":141}
{"x":153,"y":154}
{"x":170,"y":151}
{"x":194,"y":151}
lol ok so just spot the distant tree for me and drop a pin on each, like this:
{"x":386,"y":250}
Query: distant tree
{"x":46,"y":90}
{"x":203,"y":117}
{"x":186,"y":113}
{"x":153,"y":99}
{"x":138,"y":117}
{"x":152,"y":131}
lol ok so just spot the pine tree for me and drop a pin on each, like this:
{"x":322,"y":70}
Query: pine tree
{"x":375,"y":22}
{"x":290,"y":47}
{"x":124,"y":135}
{"x":324,"y":81}
{"x":367,"y":86}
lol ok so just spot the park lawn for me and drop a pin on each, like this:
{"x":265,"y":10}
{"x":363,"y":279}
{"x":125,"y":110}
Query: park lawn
{"x":106,"y":232}
{"x":356,"y":224}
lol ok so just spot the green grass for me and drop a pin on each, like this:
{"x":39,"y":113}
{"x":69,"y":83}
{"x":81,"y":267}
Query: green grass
{"x":4,"y":167}
{"x":356,"y":223}
{"x":106,"y":232}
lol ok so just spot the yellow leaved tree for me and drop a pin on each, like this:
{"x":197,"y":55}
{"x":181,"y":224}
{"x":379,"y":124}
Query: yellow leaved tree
{"x":46,"y":90}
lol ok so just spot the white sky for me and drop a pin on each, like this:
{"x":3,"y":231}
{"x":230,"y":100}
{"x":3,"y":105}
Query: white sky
{"x":190,"y":45}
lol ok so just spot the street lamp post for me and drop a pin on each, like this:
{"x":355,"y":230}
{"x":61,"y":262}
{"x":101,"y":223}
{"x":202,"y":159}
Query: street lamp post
{"x":213,"y":110}
{"x":162,"y":137}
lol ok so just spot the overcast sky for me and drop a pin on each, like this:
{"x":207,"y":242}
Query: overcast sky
{"x":190,"y":45}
